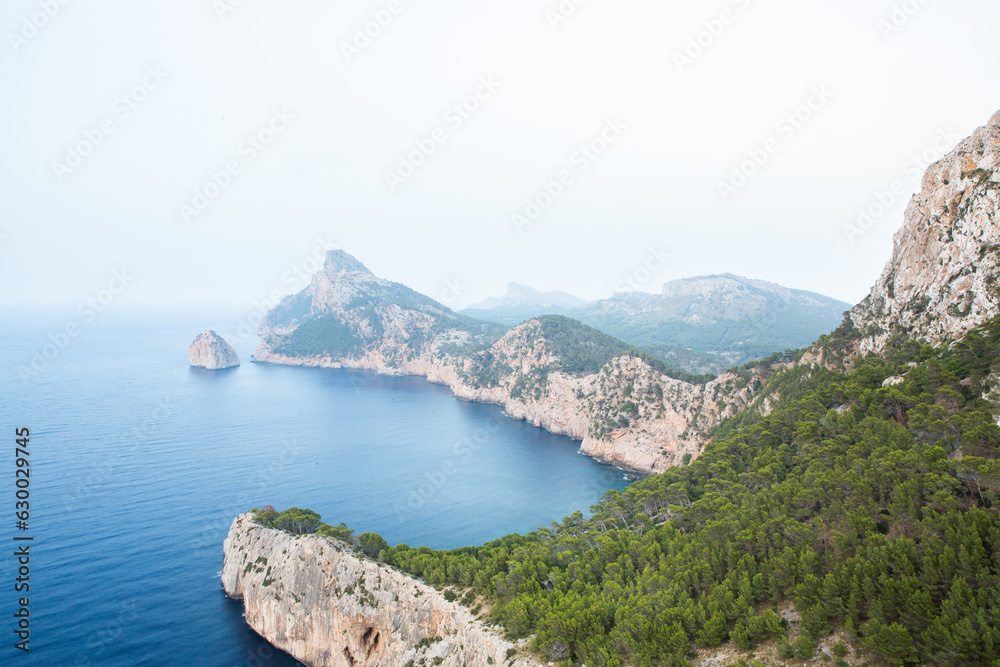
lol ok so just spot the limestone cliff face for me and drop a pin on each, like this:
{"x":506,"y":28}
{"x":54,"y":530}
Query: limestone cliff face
{"x":209,"y":350}
{"x":315,"y":599}
{"x":942,"y":278}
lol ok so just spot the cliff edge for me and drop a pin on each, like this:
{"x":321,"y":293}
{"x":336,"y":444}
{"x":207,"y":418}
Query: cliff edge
{"x":942,"y":279}
{"x":314,"y":598}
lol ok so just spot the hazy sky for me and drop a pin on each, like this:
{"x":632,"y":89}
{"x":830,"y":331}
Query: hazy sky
{"x":120,"y":121}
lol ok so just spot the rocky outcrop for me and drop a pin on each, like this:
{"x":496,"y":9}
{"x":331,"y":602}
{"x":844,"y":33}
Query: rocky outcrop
{"x":942,"y":278}
{"x":314,"y":598}
{"x":210,"y":350}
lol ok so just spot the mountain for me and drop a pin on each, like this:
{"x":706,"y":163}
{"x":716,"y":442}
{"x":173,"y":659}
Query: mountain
{"x":701,"y":325}
{"x":347,"y":311}
{"x":725,"y":317}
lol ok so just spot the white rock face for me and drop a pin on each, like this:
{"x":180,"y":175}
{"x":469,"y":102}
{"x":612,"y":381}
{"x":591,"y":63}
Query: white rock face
{"x":209,"y":350}
{"x":942,"y":278}
{"x":313,"y":598}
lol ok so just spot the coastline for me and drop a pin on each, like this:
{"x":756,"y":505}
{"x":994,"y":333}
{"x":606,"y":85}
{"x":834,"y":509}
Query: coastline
{"x":645,"y":446}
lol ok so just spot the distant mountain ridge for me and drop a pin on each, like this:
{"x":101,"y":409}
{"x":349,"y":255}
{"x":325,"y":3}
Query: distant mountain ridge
{"x":521,"y":295}
{"x":704,"y":324}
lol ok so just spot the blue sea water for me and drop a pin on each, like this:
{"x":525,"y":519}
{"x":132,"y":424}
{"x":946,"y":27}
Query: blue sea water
{"x":139,"y":464}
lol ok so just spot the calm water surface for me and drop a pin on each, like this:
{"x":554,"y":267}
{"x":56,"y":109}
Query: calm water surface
{"x":139,"y":464}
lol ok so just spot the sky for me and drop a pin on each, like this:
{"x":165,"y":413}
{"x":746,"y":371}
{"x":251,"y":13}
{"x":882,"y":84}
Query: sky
{"x":201,"y":154}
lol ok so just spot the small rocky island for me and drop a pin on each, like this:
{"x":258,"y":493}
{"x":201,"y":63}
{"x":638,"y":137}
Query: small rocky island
{"x":210,"y":350}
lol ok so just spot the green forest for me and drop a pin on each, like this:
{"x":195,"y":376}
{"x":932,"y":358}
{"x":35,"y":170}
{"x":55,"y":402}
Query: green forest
{"x":873,"y":509}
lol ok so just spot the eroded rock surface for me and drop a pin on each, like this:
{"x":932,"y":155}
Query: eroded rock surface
{"x":328,"y":607}
{"x":210,"y":350}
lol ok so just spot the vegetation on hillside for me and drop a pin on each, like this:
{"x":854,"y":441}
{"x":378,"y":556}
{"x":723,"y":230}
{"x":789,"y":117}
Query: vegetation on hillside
{"x":664,"y":326}
{"x":583,"y":350}
{"x":338,"y":336}
{"x":578,"y":350}
{"x":739,"y":340}
{"x":872,"y":506}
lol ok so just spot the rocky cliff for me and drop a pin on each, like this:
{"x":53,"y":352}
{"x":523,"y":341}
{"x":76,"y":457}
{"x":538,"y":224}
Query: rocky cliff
{"x":942,"y":278}
{"x":210,"y":350}
{"x":314,"y":598}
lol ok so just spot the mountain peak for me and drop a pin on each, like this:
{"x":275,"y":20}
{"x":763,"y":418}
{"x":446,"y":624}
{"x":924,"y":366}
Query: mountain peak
{"x":338,"y":261}
{"x":941,"y":280}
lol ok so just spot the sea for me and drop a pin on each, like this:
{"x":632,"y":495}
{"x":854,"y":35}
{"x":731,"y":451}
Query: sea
{"x":139,"y":464}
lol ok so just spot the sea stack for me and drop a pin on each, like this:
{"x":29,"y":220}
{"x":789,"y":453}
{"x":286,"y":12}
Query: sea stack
{"x":210,"y":350}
